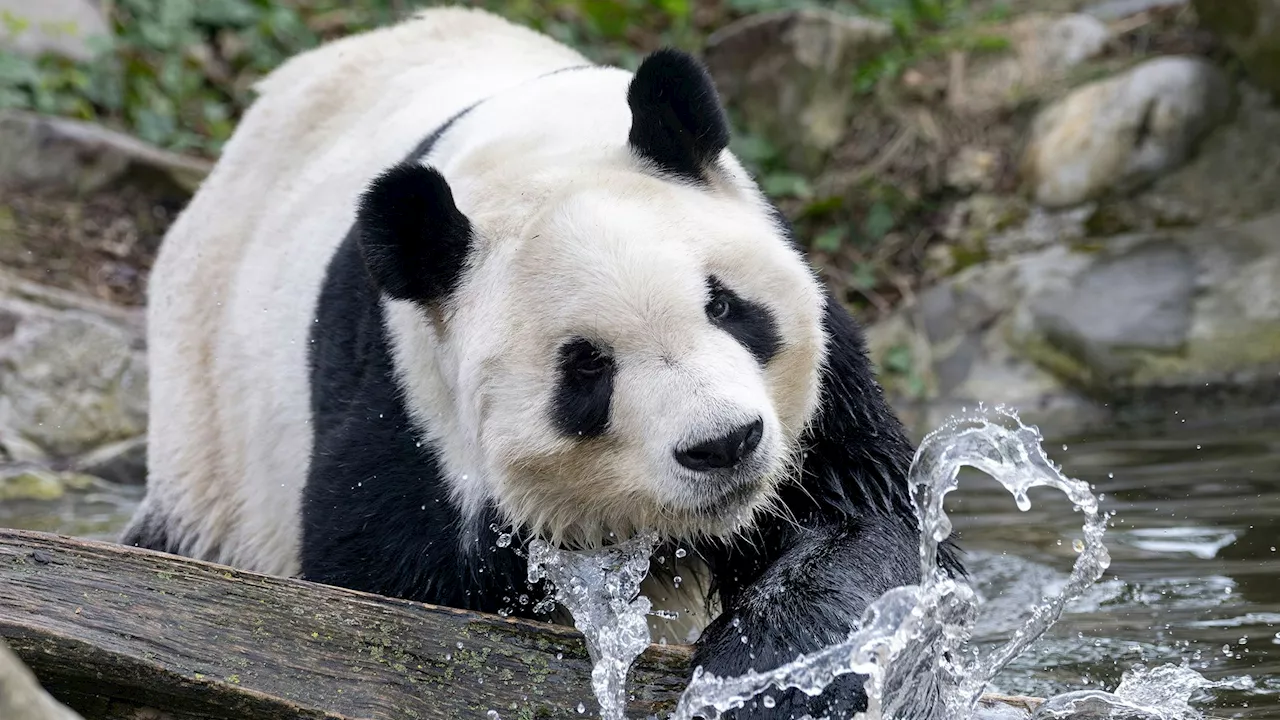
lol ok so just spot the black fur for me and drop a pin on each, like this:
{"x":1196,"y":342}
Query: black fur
{"x":749,"y":323}
{"x":151,"y":531}
{"x":584,"y":390}
{"x":413,"y":238}
{"x":375,"y":512}
{"x":677,"y":122}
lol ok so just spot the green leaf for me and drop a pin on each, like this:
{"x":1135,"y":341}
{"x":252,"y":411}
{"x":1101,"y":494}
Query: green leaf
{"x":879,"y":222}
{"x":863,"y":276}
{"x":897,"y":359}
{"x":785,"y":184}
{"x":227,"y":13}
{"x":830,"y":240}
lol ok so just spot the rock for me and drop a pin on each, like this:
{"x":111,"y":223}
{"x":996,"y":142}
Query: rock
{"x":1079,"y":337}
{"x":34,"y":483}
{"x":790,"y":74}
{"x":1234,"y":173}
{"x":972,"y":169}
{"x":73,"y":157}
{"x":1134,"y":302}
{"x":59,"y":27}
{"x":1117,"y":135}
{"x":1110,"y":10}
{"x":123,"y":463}
{"x":71,"y":379}
{"x":1251,"y":29}
{"x":1042,"y":49}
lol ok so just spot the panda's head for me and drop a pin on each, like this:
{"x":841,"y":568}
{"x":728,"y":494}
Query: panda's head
{"x":602,"y":342}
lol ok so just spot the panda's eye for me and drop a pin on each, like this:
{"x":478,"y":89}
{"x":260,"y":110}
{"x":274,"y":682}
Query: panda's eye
{"x":586,"y":360}
{"x":718,"y":308}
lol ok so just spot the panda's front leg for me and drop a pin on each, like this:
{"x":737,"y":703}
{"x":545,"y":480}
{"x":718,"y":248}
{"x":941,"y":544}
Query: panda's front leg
{"x":812,"y":595}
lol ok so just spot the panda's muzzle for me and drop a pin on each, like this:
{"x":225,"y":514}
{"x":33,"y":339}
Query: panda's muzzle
{"x":725,"y":452}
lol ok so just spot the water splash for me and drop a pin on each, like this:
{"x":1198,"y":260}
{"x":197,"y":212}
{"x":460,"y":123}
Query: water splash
{"x":1161,"y":693}
{"x":913,"y":643}
{"x":601,"y":589}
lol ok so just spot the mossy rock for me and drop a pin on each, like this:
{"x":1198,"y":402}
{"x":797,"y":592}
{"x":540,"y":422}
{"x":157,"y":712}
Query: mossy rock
{"x":42,"y":485}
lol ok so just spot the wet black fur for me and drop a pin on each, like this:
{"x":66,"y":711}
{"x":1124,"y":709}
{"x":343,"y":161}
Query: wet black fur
{"x":375,"y":512}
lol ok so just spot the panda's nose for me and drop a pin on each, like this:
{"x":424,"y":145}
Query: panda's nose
{"x":723,"y":452}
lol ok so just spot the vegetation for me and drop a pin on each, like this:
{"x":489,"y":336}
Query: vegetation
{"x":179,"y":74}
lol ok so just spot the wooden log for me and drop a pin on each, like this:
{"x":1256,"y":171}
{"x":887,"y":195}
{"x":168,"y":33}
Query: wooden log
{"x":21,"y":697}
{"x":116,"y":632}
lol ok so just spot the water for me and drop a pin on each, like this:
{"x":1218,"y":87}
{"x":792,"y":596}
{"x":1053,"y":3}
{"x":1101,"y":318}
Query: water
{"x":1194,"y":562}
{"x":601,"y":589}
{"x":1193,"y":572}
{"x":915,"y":644}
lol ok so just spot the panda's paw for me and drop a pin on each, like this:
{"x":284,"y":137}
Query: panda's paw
{"x":728,"y":648}
{"x":842,"y":699}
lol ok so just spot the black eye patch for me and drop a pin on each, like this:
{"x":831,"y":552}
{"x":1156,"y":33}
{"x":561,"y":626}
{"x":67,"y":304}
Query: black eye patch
{"x":749,"y":323}
{"x":584,"y":389}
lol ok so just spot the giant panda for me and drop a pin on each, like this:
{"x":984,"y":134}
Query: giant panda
{"x":449,"y":279}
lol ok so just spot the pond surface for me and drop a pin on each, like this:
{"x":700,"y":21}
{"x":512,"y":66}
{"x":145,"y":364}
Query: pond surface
{"x":1195,"y":569}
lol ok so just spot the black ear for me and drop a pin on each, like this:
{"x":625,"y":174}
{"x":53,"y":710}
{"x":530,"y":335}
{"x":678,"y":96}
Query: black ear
{"x":413,"y":238}
{"x":677,"y":121}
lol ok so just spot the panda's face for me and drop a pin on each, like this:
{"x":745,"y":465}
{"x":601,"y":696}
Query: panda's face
{"x":643,"y":354}
{"x":608,"y":330}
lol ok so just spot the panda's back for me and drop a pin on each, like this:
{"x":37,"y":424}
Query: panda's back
{"x":233,"y":294}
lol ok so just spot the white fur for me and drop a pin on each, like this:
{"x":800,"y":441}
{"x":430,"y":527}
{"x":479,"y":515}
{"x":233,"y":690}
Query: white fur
{"x":574,"y":237}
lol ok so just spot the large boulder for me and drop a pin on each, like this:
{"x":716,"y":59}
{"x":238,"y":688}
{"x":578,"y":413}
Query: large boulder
{"x":1079,"y":335}
{"x":790,"y":74}
{"x":72,"y":372}
{"x":1251,"y":29}
{"x":1119,"y":134}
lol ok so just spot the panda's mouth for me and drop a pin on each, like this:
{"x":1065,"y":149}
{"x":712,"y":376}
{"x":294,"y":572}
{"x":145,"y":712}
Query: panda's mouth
{"x":729,"y":497}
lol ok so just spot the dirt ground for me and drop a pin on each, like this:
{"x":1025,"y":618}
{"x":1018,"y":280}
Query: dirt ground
{"x":101,"y":246}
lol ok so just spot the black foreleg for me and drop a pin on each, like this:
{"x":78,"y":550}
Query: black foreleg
{"x":810,"y":597}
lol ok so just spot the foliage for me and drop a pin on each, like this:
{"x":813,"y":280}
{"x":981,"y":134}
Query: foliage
{"x":180,"y":73}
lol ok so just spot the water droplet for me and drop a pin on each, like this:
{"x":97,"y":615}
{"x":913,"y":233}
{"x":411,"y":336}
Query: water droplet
{"x":677,"y":580}
{"x":680,"y":552}
{"x":1243,"y":641}
{"x":504,"y":540}
{"x":493,"y":715}
{"x":768,"y":701}
{"x":581,"y":708}
{"x":459,"y":645}
{"x":1077,"y":545}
